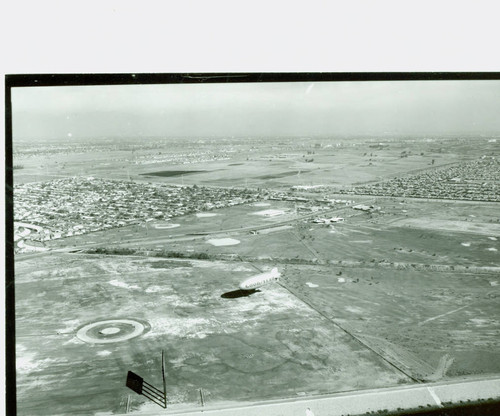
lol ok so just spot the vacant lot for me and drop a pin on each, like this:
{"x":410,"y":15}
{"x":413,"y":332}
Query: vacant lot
{"x":430,"y":324}
{"x":235,"y":349}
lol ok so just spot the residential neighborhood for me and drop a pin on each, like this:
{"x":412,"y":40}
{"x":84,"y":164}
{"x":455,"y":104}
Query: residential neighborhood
{"x":78,"y":205}
{"x":477,"y":181}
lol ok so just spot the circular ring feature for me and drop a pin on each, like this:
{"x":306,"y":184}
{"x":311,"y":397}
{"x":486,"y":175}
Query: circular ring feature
{"x":111,"y":330}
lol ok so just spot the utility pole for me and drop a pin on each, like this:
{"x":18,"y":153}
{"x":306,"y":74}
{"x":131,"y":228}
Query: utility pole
{"x":202,"y":398}
{"x":163,"y":376}
{"x":128,"y":404}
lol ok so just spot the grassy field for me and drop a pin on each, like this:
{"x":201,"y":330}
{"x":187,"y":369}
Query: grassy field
{"x":168,"y":173}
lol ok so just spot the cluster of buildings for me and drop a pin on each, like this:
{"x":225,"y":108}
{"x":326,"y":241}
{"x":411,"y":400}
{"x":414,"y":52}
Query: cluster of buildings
{"x":73,"y":206}
{"x":307,"y":205}
{"x":477,"y":181}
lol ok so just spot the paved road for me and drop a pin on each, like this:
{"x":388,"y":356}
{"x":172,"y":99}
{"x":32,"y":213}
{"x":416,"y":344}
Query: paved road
{"x":430,"y":395}
{"x":167,"y":238}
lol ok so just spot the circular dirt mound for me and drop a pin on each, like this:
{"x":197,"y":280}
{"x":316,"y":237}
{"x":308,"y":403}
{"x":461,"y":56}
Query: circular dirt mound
{"x":112,"y":330}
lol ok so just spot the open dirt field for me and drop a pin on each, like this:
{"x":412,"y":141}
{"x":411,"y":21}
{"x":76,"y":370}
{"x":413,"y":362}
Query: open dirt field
{"x":257,"y":162}
{"x":246,"y":348}
{"x":433,"y":325}
{"x":420,"y":306}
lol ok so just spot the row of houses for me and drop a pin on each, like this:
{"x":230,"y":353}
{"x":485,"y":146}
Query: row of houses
{"x":477,"y":181}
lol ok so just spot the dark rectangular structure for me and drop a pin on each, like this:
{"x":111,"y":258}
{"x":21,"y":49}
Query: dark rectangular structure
{"x":134,"y":382}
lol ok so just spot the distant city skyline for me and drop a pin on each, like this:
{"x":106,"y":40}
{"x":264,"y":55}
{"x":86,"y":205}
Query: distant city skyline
{"x":307,"y":109}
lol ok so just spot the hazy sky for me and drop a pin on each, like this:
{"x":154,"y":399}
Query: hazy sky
{"x":258,"y":109}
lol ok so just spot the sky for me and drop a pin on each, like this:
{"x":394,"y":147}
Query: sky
{"x":300,"y":109}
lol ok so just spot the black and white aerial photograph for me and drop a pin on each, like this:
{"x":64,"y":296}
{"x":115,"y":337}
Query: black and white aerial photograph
{"x":296,"y":244}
